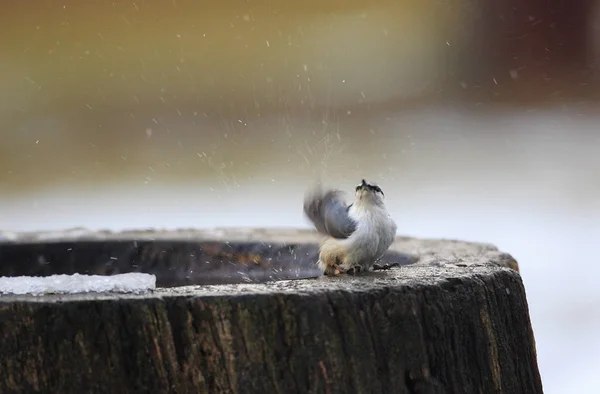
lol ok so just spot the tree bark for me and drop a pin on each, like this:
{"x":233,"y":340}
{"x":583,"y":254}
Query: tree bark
{"x":455,"y":321}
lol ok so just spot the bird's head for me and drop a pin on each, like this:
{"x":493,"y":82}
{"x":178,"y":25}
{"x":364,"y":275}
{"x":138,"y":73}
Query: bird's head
{"x":368,"y":193}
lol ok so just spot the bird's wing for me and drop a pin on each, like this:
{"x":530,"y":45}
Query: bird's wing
{"x":329,"y":213}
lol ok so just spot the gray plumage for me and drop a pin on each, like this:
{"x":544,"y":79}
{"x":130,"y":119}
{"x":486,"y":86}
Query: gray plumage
{"x":358,"y":234}
{"x":329,"y":213}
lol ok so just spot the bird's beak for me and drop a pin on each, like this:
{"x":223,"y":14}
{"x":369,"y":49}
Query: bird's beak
{"x":362,"y":187}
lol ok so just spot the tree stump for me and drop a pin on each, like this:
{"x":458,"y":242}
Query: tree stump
{"x":452,"y":318}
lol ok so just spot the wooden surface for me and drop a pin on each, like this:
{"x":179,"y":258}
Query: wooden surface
{"x":177,"y":258}
{"x":456,"y":321}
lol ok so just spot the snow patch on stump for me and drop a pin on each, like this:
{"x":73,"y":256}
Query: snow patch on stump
{"x":135,"y":283}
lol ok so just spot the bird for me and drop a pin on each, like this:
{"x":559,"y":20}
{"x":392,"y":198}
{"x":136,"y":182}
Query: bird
{"x":357,"y":235}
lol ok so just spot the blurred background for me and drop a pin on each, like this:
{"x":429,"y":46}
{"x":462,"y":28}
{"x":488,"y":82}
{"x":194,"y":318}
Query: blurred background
{"x":479,"y":119}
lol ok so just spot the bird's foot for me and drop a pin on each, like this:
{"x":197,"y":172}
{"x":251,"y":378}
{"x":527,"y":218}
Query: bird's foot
{"x":332,"y":270}
{"x":354,"y":270}
{"x":384,"y":266}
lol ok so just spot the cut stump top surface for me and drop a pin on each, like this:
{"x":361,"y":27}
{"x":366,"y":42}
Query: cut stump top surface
{"x":435,"y":260}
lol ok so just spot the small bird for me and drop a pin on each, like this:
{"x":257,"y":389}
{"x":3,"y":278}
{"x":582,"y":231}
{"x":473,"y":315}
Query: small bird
{"x":358,"y":234}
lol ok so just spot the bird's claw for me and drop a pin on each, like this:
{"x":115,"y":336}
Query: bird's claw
{"x":354,"y":270}
{"x":332,"y":270}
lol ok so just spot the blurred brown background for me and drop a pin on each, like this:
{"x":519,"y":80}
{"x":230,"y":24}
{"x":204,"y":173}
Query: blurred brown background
{"x":478,"y":118}
{"x":97,"y":90}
